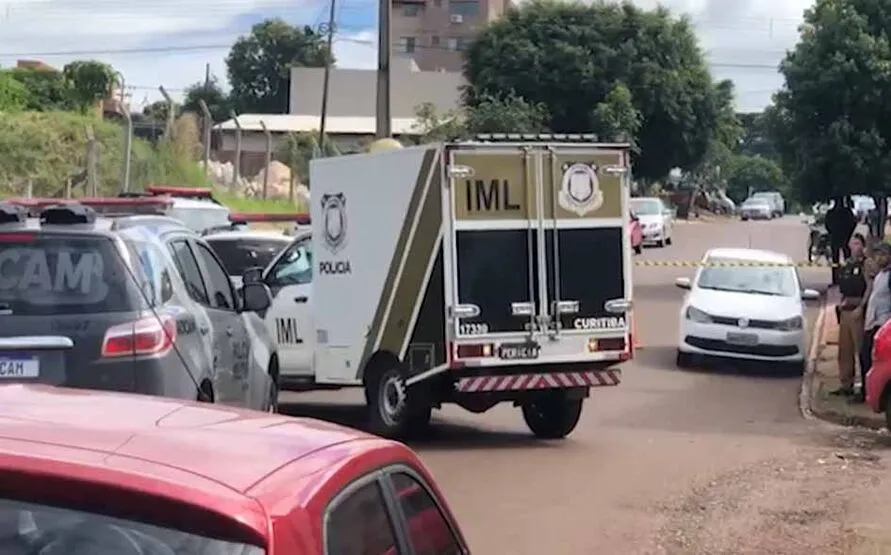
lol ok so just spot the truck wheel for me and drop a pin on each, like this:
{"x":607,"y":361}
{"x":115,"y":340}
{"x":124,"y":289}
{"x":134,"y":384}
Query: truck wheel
{"x":638,"y":249}
{"x":551,"y":415}
{"x":394,"y":412}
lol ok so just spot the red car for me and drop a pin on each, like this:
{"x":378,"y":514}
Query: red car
{"x":636,"y":233}
{"x":108,"y":473}
{"x":878,"y":379}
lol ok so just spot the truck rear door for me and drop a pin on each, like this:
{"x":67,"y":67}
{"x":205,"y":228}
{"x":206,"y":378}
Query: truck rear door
{"x":540,"y":253}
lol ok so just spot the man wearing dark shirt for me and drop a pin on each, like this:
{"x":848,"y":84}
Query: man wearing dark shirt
{"x":852,"y":282}
{"x":840,"y":223}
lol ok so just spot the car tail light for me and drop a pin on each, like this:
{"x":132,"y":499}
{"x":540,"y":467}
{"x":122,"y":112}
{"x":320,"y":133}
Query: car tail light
{"x":17,"y":237}
{"x":473,"y":350}
{"x":144,"y":337}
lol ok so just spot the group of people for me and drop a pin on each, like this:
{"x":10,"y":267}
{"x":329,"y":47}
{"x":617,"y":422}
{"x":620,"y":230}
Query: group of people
{"x":863,"y":281}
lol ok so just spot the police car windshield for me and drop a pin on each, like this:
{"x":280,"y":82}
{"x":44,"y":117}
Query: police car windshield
{"x":780,"y":281}
{"x":646,"y":207}
{"x":52,"y":274}
{"x":238,"y":255}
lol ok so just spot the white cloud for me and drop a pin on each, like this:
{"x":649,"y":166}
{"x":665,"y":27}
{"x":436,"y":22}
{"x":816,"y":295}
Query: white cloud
{"x":744,"y":39}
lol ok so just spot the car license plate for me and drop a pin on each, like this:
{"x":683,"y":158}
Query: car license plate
{"x":745,"y":339}
{"x":14,"y":367}
{"x":519,"y":351}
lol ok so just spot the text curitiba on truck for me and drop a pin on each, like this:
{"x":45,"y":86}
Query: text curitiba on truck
{"x":480,"y":272}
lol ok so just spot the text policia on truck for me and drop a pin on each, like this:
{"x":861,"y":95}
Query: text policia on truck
{"x":472,"y":273}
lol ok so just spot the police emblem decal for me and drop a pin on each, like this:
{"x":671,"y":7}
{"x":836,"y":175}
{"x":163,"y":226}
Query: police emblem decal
{"x":743,"y":323}
{"x":334,"y":218}
{"x":580,"y":188}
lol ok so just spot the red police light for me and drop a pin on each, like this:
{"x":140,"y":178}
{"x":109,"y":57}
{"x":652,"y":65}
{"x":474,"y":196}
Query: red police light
{"x":181,"y":192}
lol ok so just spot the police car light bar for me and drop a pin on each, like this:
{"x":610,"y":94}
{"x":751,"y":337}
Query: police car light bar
{"x":300,"y":218}
{"x":181,"y":192}
{"x":107,"y":206}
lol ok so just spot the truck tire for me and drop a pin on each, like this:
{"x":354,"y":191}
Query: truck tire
{"x":386,"y":417}
{"x":552,"y":415}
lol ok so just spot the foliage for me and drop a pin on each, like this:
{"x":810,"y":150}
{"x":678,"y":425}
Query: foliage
{"x":259,"y":64}
{"x":157,"y":111}
{"x":434,"y":127}
{"x":756,"y":137}
{"x":89,"y":82}
{"x":570,"y":57}
{"x":296,"y":151}
{"x":832,"y":119}
{"x":47,"y":90}
{"x":746,"y":174}
{"x":506,"y":114}
{"x":13,"y":95}
{"x":213,"y":95}
{"x":616,"y":117}
{"x":50,"y":147}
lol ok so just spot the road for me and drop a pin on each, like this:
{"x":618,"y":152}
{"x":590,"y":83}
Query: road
{"x":702,"y":461}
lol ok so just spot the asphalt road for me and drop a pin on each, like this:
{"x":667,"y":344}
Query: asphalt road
{"x":702,"y":461}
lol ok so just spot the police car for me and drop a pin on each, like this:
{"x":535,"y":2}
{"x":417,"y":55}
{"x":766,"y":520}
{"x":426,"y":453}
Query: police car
{"x":136,"y":303}
{"x":195,"y":207}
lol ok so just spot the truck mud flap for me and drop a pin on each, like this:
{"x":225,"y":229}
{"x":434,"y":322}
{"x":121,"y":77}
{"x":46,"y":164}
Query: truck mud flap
{"x":535,"y":381}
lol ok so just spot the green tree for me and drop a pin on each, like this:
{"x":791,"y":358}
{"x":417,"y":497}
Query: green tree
{"x":505,"y":114}
{"x":616,"y":116}
{"x":832,"y":118}
{"x":756,"y":137}
{"x":571,"y":56}
{"x":213,"y":95}
{"x":89,"y":82}
{"x":13,"y":95}
{"x":47,"y":90}
{"x":433,"y":126}
{"x":259,"y":64}
{"x":156,"y":112}
{"x":746,"y":174}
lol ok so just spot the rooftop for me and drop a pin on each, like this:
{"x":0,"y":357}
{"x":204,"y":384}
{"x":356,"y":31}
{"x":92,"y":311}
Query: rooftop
{"x":335,"y":125}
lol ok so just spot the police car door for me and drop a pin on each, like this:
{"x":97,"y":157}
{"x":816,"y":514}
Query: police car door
{"x":289,"y":318}
{"x":586,"y":248}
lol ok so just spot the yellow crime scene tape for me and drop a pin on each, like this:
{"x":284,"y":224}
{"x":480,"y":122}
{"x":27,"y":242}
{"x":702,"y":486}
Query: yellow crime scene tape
{"x":730,"y":264}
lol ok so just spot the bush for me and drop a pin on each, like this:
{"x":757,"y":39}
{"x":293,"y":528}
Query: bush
{"x":50,"y":147}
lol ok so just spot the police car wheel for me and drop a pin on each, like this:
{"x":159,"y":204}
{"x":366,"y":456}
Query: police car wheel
{"x":394,"y":412}
{"x":552,"y":415}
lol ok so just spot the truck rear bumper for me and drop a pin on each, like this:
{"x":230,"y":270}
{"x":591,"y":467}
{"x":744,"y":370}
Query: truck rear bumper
{"x":539,"y":380}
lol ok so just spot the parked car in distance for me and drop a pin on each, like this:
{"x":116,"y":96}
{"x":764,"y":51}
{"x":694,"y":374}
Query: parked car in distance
{"x":755,"y":209}
{"x":744,"y":304}
{"x":655,"y":220}
{"x":878,"y":379}
{"x":103,"y":473}
{"x":144,"y":302}
{"x":776,"y":201}
{"x":636,"y":233}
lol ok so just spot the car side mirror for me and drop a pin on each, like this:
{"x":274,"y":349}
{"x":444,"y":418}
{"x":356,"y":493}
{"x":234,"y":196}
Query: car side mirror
{"x":252,"y":275}
{"x":256,"y":297}
{"x":810,"y":294}
{"x":682,"y":283}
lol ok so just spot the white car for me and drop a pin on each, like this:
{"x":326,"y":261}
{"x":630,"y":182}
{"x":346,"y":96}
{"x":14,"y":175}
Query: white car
{"x":655,"y":220}
{"x":242,"y":249}
{"x":756,"y":209}
{"x":744,"y":304}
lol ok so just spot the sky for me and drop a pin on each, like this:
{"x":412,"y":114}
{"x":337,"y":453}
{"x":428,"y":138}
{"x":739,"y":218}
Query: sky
{"x":169,"y":42}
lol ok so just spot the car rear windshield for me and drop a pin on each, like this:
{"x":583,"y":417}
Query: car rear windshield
{"x":238,"y":255}
{"x":199,"y":218}
{"x":48,"y":530}
{"x":44,"y":274}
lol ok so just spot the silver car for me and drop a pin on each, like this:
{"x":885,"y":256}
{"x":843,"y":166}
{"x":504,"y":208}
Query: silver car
{"x":756,"y":209}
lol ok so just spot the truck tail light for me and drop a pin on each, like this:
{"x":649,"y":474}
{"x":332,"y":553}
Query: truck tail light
{"x":151,"y":336}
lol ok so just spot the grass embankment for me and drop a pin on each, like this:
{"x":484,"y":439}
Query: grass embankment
{"x":49,"y":148}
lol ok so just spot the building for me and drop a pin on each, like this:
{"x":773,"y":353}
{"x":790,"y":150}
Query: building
{"x":435,"y":33}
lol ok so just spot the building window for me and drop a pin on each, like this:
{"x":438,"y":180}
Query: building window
{"x":411,"y":10}
{"x":407,"y":44}
{"x":452,"y":44}
{"x":437,"y":3}
{"x":434,"y":40}
{"x":459,"y":44}
{"x":465,"y":8}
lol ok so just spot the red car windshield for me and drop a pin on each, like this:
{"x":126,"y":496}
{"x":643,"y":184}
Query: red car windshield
{"x":33,"y":528}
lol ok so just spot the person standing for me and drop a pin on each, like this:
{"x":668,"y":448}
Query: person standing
{"x":877,"y":310}
{"x":852,"y":283}
{"x":840,"y":223}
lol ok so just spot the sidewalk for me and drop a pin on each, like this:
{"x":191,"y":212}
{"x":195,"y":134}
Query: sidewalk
{"x":823,"y":378}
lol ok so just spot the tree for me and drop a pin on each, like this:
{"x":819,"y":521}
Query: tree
{"x":570,"y":57}
{"x":13,"y":95}
{"x":156,"y":112}
{"x":756,"y":137}
{"x":747,"y":174}
{"x":212,"y":94}
{"x":89,"y":82}
{"x":259,"y":64}
{"x":616,"y":116}
{"x":832,"y":119}
{"x":506,"y":114}
{"x":46,"y":90}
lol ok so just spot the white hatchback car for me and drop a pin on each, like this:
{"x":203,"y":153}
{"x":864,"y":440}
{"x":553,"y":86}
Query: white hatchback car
{"x":744,"y":304}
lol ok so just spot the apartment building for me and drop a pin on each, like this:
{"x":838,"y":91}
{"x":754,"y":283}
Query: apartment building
{"x":435,"y":33}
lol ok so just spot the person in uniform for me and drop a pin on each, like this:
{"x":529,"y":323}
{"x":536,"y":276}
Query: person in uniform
{"x":852,"y":284}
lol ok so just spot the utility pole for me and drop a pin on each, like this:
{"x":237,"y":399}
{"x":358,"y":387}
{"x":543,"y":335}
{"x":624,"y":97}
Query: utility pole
{"x":206,"y":79}
{"x":382,"y":113}
{"x":327,"y":76}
